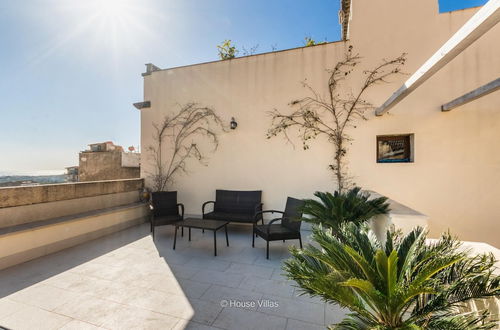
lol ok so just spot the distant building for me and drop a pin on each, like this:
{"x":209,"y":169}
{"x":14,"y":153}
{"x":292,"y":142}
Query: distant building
{"x":19,"y":183}
{"x":105,"y":146}
{"x":106,"y":161}
{"x":72,"y":174}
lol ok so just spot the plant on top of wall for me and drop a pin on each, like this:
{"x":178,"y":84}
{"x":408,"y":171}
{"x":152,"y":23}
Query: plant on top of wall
{"x":332,"y":115}
{"x":406,"y":283}
{"x":308,"y":42}
{"x":184,"y":130}
{"x":334,"y":210}
{"x":226,"y":50}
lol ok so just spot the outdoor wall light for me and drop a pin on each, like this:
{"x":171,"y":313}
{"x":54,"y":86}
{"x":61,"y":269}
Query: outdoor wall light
{"x":233,"y":123}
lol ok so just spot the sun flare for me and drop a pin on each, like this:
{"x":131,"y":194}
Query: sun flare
{"x":96,"y":26}
{"x":112,"y":10}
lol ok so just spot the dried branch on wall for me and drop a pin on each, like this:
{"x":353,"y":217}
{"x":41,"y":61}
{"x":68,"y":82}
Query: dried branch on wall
{"x":182,"y":131}
{"x":332,"y":114}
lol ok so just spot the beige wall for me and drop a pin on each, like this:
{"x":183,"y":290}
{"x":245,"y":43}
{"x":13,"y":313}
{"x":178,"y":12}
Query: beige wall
{"x":454,"y":179}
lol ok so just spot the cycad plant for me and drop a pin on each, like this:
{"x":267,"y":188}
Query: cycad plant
{"x":406,"y":284}
{"x":333,"y":210}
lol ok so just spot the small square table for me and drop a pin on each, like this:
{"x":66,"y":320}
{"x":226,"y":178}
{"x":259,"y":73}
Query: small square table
{"x":212,"y":225}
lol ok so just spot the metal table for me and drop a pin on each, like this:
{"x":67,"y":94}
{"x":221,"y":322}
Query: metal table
{"x":212,"y":225}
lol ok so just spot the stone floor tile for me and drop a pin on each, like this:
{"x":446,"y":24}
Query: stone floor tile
{"x":78,"y":283}
{"x":137,"y":297}
{"x":182,"y":271}
{"x":89,"y":309}
{"x":178,"y":306}
{"x":126,"y":317}
{"x":276,"y":263}
{"x":205,"y":312}
{"x":8,"y":307}
{"x":191,"y":325}
{"x":250,"y":270}
{"x":100,"y":270}
{"x":241,"y":319}
{"x":211,"y":263}
{"x":79,"y":325}
{"x":268,"y":287}
{"x":220,"y":278}
{"x":300,"y":325}
{"x":34,"y":318}
{"x":292,"y":308}
{"x":192,"y":289}
{"x":222,"y":295}
{"x":279,"y":275}
{"x":192,"y":309}
{"x":244,"y":254}
{"x":44,"y":296}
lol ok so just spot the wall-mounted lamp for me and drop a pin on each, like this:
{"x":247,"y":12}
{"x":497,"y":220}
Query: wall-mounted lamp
{"x":233,"y":123}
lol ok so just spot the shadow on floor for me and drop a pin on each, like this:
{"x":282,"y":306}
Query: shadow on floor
{"x":127,"y":280}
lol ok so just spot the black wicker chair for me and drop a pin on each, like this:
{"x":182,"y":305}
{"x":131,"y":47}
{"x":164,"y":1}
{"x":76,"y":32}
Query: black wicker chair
{"x":288,"y":228}
{"x":234,"y":206}
{"x":165,"y":209}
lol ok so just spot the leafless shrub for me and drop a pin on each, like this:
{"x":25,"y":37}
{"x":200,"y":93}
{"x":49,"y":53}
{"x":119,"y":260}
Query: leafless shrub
{"x":331,"y":115}
{"x":183,"y":131}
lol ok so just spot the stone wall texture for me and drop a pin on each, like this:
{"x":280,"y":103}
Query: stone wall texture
{"x":17,"y":196}
{"x":96,"y":166}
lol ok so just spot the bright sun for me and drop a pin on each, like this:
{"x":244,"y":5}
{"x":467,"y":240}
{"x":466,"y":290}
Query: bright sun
{"x":111,"y":9}
{"x":111,"y":28}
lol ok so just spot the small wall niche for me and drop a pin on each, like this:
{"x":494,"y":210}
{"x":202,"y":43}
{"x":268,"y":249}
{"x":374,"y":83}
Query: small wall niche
{"x":395,"y":148}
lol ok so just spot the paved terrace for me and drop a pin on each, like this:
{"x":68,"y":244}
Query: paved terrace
{"x":127,"y":281}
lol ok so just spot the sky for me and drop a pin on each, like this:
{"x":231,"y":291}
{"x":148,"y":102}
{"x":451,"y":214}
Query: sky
{"x":71,"y":69}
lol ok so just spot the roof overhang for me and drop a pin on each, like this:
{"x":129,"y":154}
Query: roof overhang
{"x":472,"y":95}
{"x":142,"y":105}
{"x":486,"y":18}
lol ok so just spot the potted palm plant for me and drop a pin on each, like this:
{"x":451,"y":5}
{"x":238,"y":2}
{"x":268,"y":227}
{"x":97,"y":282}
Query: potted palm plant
{"x":352,"y":206}
{"x":406,"y":283}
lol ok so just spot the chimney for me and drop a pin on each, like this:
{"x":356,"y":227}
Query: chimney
{"x":150,"y":68}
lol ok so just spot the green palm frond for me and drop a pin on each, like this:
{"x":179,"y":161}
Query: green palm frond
{"x":406,"y":284}
{"x":466,"y":321}
{"x":333,"y":210}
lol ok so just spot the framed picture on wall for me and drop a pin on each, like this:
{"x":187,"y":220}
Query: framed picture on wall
{"x":395,"y":148}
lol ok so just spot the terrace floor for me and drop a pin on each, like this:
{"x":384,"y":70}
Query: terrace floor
{"x":127,"y":281}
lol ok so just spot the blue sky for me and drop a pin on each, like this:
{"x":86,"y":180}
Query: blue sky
{"x":70,"y":69}
{"x":450,"y":5}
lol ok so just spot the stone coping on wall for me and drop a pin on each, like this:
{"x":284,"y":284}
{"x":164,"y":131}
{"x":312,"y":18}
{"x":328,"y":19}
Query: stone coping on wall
{"x":61,"y":220}
{"x":26,"y":195}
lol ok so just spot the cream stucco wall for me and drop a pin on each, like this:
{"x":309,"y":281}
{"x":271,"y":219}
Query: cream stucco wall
{"x":456,"y":174}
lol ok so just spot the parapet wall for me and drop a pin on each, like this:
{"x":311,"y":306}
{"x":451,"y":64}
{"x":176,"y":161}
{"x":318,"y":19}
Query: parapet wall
{"x":38,"y":220}
{"x":27,"y":195}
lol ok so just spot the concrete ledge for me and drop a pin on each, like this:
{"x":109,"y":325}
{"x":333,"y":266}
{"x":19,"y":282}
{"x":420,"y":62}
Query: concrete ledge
{"x":30,"y":243}
{"x":17,"y":215}
{"x":401,"y":216}
{"x":17,"y":196}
